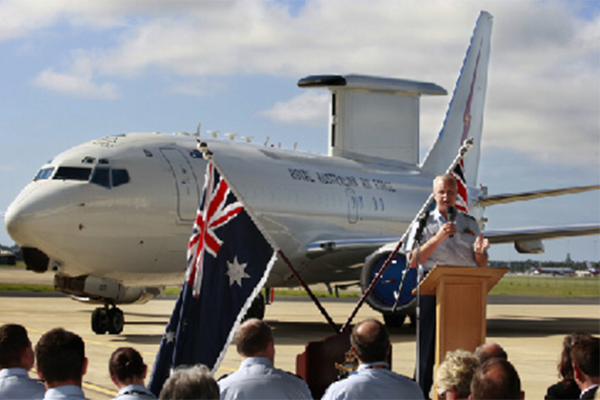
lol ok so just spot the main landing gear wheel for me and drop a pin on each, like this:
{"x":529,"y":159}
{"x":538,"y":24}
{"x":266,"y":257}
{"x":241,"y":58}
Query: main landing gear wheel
{"x":394,"y":320}
{"x":105,"y":319}
{"x":257,"y":309}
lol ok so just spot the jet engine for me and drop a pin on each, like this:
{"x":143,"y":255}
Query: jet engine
{"x":385,"y":292}
{"x":92,"y":289}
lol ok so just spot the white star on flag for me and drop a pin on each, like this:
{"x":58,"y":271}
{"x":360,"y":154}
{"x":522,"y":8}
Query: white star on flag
{"x":170,"y":336}
{"x":236,"y":272}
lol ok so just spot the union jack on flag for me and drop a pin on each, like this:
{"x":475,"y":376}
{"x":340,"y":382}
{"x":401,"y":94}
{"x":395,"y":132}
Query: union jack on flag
{"x":462,"y":199}
{"x":214,"y":212}
{"x":229,"y":259}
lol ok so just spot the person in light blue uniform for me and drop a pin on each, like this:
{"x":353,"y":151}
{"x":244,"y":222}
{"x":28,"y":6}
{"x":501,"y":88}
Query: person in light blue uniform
{"x":61,"y":363}
{"x":373,"y":379}
{"x":256,"y":377}
{"x":128,"y":371}
{"x":446,"y":241}
{"x":16,"y":359}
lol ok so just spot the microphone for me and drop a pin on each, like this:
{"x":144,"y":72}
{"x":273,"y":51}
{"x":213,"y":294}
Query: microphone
{"x":422,"y":223}
{"x":451,"y":215}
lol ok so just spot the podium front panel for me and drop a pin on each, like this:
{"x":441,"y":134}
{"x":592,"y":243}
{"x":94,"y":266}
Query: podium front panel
{"x":461,"y":309}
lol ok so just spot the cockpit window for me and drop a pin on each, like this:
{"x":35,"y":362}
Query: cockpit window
{"x":73,"y":173}
{"x":108,"y":178}
{"x":101,"y":177}
{"x":44,"y":173}
{"x":119,"y":177}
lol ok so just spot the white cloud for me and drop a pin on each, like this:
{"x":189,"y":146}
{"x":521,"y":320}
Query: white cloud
{"x":543,"y":81}
{"x":310,"y":108}
{"x":76,"y":85}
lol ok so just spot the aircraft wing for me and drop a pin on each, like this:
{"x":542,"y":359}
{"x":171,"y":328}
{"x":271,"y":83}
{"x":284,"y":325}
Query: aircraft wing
{"x":541,"y":233}
{"x":322,"y":247}
{"x":485,"y":201}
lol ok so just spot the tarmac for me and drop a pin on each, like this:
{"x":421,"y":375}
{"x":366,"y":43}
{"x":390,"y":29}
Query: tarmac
{"x":530,"y":329}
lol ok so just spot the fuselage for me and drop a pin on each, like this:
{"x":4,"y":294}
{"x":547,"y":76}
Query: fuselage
{"x":122,"y":207}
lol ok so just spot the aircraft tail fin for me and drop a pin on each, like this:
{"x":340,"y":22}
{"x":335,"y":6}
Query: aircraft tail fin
{"x":464,"y":118}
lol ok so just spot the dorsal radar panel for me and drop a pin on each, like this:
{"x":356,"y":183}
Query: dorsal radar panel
{"x":373,"y":118}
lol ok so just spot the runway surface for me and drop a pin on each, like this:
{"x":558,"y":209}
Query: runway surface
{"x":530,"y":329}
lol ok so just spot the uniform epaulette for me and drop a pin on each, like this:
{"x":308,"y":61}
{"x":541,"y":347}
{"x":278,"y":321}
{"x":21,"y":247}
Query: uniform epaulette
{"x":470,"y":216}
{"x":223,"y":377}
{"x":294,"y":375}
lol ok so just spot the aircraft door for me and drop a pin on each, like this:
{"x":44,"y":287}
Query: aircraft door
{"x":186,"y":184}
{"x":352,"y":206}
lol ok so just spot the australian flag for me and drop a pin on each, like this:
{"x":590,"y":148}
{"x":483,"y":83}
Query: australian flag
{"x":228,"y":262}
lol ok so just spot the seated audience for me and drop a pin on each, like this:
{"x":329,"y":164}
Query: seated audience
{"x":128,"y":371}
{"x":16,"y":359}
{"x":566,"y":388}
{"x":373,"y":379}
{"x":190,"y":383}
{"x":61,"y":363}
{"x":585,"y":355}
{"x":489,"y":350}
{"x":496,"y":379}
{"x":454,"y":375}
{"x":257,"y":378}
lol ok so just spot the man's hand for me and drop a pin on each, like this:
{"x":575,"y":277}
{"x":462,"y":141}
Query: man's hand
{"x":479,"y":250}
{"x":448,"y":229}
{"x":481,"y":244}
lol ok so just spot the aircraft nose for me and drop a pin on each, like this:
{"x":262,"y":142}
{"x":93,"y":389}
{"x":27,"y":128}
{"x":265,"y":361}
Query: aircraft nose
{"x":31,"y":216}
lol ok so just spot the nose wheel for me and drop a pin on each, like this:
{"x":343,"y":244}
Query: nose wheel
{"x":107,"y":319}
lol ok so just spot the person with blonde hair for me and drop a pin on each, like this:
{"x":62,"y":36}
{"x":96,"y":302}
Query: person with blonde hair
{"x":454,"y":375}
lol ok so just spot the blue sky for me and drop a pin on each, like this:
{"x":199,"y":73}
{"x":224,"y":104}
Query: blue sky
{"x":72,"y":71}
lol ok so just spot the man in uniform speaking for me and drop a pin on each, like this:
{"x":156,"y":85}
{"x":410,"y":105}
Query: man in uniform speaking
{"x":450,"y":237}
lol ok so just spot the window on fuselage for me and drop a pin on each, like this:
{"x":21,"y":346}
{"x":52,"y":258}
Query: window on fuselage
{"x":73,"y":173}
{"x":44,"y":173}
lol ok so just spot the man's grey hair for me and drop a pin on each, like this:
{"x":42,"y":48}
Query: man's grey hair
{"x":193,"y":382}
{"x":445,"y":177}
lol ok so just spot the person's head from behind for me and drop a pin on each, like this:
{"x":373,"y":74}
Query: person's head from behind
{"x":490,"y":350}
{"x":190,"y":383}
{"x":565,"y":365}
{"x":126,"y":367}
{"x":60,"y":358}
{"x":585,"y":355}
{"x":15,"y":347}
{"x":496,"y":378}
{"x":454,"y":375}
{"x":254,"y":338}
{"x":370,"y":341}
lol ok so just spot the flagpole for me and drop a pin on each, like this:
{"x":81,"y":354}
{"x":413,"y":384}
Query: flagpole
{"x":310,"y":293}
{"x":462,"y":151}
{"x":208,"y":155}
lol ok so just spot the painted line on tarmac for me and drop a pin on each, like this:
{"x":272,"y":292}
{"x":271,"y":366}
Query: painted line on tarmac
{"x":99,"y":389}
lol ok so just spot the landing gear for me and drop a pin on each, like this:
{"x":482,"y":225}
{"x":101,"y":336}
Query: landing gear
{"x":107,"y":319}
{"x":394,"y":320}
{"x":257,"y":309}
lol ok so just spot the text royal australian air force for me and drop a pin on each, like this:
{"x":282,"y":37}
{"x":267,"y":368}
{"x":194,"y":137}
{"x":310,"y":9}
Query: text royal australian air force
{"x":329,"y":178}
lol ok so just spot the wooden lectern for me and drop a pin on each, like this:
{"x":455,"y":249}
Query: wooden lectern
{"x":461,"y":302}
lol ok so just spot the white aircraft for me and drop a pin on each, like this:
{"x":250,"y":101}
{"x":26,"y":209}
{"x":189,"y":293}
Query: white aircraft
{"x":111,"y":218}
